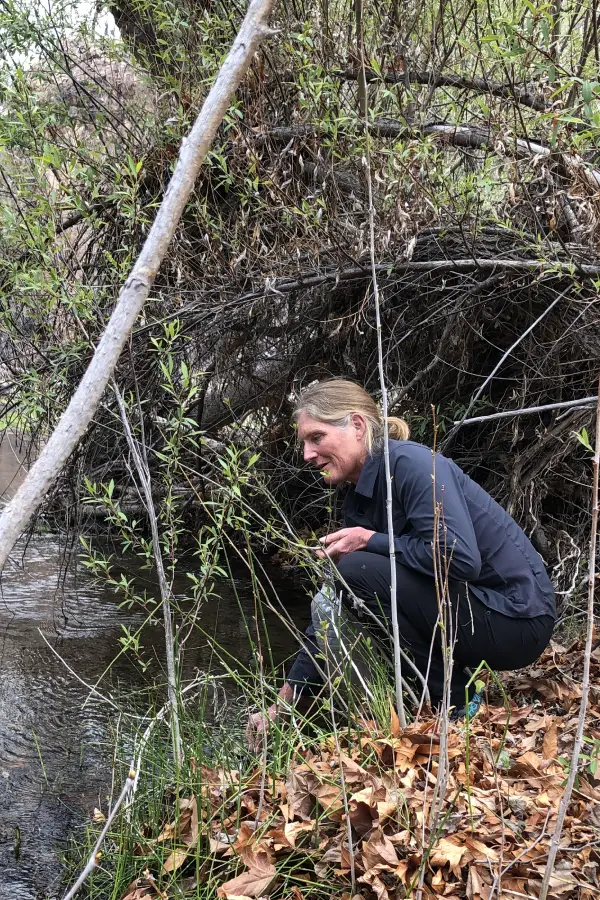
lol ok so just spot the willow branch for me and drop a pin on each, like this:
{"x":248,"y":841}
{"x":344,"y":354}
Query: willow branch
{"x":76,"y":418}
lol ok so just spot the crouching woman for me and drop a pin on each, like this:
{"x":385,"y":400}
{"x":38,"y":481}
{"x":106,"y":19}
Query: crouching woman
{"x":501,"y":605}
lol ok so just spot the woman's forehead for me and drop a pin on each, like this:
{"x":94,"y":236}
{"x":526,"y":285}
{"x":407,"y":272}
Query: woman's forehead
{"x":307,"y":425}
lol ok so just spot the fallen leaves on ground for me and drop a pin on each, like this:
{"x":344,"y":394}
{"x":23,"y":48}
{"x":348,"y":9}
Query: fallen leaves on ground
{"x":487,"y":834}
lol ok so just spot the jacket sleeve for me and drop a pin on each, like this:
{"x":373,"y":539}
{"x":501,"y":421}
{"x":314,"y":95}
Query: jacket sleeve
{"x":413,"y":489}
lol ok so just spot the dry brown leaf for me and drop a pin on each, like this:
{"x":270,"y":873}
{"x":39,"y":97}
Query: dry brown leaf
{"x":249,"y":884}
{"x":395,"y":728}
{"x":175,"y":860}
{"x":299,"y":788}
{"x":379,"y":850}
{"x":330,"y":798}
{"x":373,"y":879}
{"x":479,"y":849}
{"x":447,"y":851}
{"x":142,"y":889}
{"x":167,"y":834}
{"x":258,"y":859}
{"x":143,"y":893}
{"x":477,"y":889}
{"x":550,"y":743}
{"x":217,"y":846}
{"x":293,"y":829}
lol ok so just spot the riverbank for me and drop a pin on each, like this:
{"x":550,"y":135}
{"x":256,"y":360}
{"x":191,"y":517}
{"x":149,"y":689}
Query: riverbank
{"x":336,"y":808}
{"x":57,"y":741}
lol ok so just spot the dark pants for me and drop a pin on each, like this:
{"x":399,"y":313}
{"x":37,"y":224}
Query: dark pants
{"x":478,"y":633}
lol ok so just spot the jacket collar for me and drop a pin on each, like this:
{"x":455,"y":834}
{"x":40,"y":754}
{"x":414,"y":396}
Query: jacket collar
{"x":368,"y":476}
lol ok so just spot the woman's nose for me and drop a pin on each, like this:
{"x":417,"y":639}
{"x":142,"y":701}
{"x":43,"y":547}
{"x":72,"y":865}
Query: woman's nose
{"x":309,"y":453}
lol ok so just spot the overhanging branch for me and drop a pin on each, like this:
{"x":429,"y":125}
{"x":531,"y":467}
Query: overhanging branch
{"x":502,"y":90}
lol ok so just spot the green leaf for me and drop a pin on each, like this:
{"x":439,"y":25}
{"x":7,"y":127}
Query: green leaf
{"x":582,"y":437}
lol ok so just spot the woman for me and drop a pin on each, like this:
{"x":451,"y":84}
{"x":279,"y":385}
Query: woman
{"x":501,"y":600}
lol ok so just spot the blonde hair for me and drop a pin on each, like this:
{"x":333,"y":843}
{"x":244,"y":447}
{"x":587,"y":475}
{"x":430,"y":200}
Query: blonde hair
{"x":335,"y":400}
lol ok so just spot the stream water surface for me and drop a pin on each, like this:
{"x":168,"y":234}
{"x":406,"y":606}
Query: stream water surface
{"x":54,"y":747}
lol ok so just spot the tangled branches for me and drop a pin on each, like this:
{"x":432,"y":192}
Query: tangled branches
{"x":486,"y":195}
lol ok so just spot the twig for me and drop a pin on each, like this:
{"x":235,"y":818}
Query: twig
{"x":502,"y":872}
{"x":76,"y":418}
{"x":165,"y":592}
{"x":570,"y":404}
{"x":384,"y":406}
{"x":90,"y":687}
{"x":93,"y":860}
{"x":342,"y":782}
{"x":506,"y":91}
{"x":585,"y":682}
{"x":506,"y":354}
{"x":128,"y":791}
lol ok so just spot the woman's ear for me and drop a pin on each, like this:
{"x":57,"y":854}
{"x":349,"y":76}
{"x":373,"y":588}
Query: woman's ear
{"x":359,"y":425}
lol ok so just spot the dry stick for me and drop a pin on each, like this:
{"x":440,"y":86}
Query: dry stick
{"x":585,"y":683}
{"x":506,"y":354}
{"x":525,"y":410}
{"x":165,"y":592}
{"x":76,"y":418}
{"x":384,"y":405}
{"x":93,"y":860}
{"x":342,"y":783}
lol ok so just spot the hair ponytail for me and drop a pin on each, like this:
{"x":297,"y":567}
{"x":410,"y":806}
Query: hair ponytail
{"x":398,"y":429}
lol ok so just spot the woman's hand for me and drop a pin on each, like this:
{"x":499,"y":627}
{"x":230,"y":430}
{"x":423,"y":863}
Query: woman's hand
{"x":259,"y":723}
{"x":258,"y":727}
{"x":347,"y":540}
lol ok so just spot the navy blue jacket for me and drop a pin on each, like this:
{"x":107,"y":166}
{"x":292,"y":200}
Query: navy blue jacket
{"x":483,"y":544}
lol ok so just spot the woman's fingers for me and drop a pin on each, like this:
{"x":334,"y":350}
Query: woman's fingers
{"x":333,"y":538}
{"x":255,"y":731}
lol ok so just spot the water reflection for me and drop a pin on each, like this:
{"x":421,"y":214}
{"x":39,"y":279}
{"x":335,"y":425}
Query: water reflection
{"x":53,"y":748}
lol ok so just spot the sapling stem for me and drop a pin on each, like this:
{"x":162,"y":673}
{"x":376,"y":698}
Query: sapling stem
{"x":585,"y":681}
{"x":384,"y":395}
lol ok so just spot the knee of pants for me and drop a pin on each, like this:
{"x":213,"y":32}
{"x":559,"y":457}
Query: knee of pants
{"x":353,"y":567}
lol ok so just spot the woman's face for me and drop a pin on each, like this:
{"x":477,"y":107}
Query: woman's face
{"x":339,"y":453}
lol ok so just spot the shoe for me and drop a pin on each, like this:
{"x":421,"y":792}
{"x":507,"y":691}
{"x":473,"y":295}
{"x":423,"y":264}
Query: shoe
{"x":470,"y":711}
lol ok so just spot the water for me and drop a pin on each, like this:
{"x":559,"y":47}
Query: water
{"x":54,"y":765}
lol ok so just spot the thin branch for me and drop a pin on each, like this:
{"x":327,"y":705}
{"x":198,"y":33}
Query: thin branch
{"x":504,"y":91}
{"x":93,"y":860}
{"x":585,"y":682}
{"x":505,"y":356}
{"x":565,"y":404}
{"x":143,"y":473}
{"x":384,"y":405}
{"x":76,"y":418}
{"x":467,"y":136}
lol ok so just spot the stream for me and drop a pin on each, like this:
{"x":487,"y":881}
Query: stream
{"x":55,"y":752}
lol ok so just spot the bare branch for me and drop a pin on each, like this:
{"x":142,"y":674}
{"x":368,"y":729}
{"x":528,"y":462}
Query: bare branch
{"x":566,"y":404}
{"x":504,"y":91}
{"x":585,"y":682}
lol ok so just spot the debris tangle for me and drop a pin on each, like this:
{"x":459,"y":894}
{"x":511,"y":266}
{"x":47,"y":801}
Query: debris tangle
{"x":507,"y":769}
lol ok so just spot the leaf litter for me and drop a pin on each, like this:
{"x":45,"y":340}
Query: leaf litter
{"x":257,"y":836}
